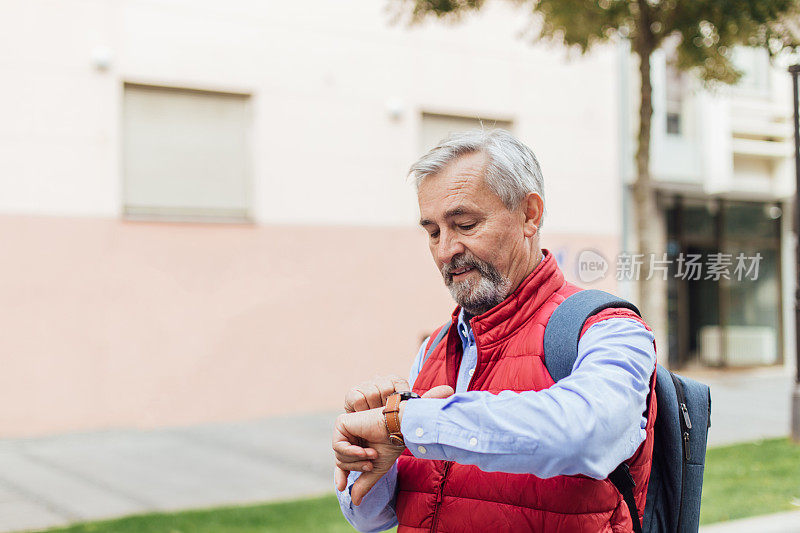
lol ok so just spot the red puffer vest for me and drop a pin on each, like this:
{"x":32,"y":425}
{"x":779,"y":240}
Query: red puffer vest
{"x":448,"y":497}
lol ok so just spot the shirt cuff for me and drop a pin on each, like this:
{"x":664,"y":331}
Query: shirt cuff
{"x":419,"y":427}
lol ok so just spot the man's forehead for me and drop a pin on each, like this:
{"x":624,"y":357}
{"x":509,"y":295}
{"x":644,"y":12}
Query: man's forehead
{"x":459,"y":188}
{"x":449,"y":196}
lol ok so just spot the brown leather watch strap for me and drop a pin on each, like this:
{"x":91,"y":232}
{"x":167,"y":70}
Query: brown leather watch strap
{"x":391,"y":416}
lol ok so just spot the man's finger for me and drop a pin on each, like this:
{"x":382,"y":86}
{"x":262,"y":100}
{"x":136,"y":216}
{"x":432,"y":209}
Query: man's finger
{"x":386,"y":387}
{"x":347,"y":458}
{"x":345,"y":450}
{"x":339,"y":479}
{"x":356,"y":466}
{"x":442,"y":391}
{"x":373,"y":394}
{"x":355,"y":400}
{"x":362,"y":486}
{"x":400,"y":384}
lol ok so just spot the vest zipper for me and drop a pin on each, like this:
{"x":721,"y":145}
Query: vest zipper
{"x":477,"y":362}
{"x":439,"y":496}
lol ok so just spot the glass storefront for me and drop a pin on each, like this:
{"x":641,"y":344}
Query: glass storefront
{"x":726,"y":312}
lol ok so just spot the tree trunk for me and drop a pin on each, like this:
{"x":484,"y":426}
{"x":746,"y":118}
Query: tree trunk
{"x":644,"y":203}
{"x":648,"y":231}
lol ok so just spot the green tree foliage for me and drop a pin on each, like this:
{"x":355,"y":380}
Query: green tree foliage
{"x":705,"y":30}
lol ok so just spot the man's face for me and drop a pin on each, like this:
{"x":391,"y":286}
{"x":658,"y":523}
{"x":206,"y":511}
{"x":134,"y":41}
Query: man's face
{"x":478,"y":244}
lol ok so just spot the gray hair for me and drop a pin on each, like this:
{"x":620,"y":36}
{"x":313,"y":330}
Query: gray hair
{"x":512,"y":170}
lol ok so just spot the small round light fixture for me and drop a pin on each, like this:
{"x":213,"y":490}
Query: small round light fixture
{"x":102,"y":57}
{"x":395,"y":108}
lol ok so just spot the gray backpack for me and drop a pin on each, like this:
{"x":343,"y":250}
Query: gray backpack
{"x":681,"y":427}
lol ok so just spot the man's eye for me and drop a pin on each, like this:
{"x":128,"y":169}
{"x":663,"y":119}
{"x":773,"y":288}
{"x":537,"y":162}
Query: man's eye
{"x":466,"y":226}
{"x":434,"y":234}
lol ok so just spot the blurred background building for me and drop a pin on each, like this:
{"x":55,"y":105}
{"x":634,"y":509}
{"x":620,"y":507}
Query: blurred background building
{"x":204,"y":214}
{"x":723,"y":166}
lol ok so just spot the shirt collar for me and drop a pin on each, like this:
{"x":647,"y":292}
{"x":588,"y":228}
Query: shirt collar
{"x":464,"y":329}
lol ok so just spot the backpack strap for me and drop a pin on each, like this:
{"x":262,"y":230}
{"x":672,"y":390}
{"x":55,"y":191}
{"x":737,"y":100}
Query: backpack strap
{"x":436,"y":340}
{"x":563,"y":330}
{"x":561,"y":336}
{"x":623,"y":480}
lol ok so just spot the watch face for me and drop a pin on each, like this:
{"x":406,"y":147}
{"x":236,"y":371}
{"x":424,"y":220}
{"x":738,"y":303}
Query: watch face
{"x":397,"y":441}
{"x":408,"y":395}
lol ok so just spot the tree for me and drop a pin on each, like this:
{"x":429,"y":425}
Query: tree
{"x":703,"y":32}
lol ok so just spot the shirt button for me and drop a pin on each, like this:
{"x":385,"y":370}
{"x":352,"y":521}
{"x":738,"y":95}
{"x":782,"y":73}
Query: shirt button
{"x":422,"y":450}
{"x":420,"y":432}
{"x":473,"y":441}
{"x":471,"y":371}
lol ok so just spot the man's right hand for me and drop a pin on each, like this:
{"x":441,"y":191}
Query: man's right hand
{"x":361,"y":443}
{"x":373,"y":393}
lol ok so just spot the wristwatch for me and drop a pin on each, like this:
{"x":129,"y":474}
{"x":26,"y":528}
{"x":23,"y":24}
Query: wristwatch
{"x":391,"y":415}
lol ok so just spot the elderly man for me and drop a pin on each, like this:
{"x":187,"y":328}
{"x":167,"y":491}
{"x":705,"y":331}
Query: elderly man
{"x":493,"y":444}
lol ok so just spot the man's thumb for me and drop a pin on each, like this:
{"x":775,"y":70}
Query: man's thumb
{"x":442,"y":391}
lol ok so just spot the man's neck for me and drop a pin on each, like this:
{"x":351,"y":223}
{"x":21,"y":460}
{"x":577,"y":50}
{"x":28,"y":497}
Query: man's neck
{"x":537,"y":256}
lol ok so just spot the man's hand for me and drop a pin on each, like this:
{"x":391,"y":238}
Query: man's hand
{"x":377,"y":455}
{"x":373,"y":393}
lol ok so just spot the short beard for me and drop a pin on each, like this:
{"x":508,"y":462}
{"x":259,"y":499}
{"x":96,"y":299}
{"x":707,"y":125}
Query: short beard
{"x":476,"y":297}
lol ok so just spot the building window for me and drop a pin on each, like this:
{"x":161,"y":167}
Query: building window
{"x":675,"y":92}
{"x":436,"y":127}
{"x":754,"y":65}
{"x":186,"y":154}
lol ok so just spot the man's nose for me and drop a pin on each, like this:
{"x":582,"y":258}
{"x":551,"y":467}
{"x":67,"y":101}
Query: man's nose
{"x":450,"y":245}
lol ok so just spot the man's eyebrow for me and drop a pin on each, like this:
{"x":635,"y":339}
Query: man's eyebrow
{"x":456,"y":211}
{"x":460,"y":210}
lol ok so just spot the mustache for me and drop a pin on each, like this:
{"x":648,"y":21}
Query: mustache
{"x":464,"y":261}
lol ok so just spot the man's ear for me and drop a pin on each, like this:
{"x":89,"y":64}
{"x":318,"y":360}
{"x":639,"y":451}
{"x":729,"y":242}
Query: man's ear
{"x":533,"y":209}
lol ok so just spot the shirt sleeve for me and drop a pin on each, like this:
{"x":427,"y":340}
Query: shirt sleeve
{"x":587,"y":423}
{"x":376,"y":512}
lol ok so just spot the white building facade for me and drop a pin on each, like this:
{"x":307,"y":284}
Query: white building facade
{"x":203,"y":205}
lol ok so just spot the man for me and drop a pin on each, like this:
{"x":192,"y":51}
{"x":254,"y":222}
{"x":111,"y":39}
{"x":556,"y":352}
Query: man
{"x":494,"y":444}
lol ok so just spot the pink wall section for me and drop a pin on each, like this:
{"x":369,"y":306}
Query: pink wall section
{"x":106,"y":323}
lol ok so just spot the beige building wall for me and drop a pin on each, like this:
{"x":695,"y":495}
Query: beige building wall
{"x":111,"y":322}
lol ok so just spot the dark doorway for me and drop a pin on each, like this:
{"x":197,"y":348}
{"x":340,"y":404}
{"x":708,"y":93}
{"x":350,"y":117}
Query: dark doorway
{"x":734,"y":320}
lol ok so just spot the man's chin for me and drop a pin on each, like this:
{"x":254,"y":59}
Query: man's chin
{"x":471,"y":306}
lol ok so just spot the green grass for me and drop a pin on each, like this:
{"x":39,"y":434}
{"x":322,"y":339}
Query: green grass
{"x":741,"y":480}
{"x":750,"y":479}
{"x":302,"y":516}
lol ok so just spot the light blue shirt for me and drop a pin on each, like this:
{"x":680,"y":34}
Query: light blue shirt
{"x":587,"y":423}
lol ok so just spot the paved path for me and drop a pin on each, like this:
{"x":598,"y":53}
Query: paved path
{"x":57,"y":480}
{"x":63,"y":479}
{"x":748,"y":405}
{"x":788,"y":522}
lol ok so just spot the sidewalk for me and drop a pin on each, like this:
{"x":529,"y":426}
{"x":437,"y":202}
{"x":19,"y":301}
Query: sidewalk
{"x":58,"y":480}
{"x":775,"y":523}
{"x":747,"y":404}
